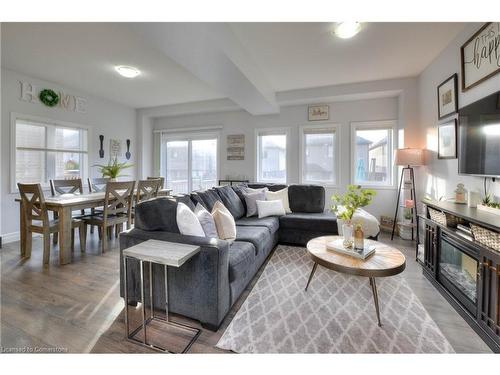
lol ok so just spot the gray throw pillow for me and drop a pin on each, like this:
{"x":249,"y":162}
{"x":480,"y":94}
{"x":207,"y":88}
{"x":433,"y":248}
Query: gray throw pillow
{"x":251,"y":201}
{"x":206,"y":220}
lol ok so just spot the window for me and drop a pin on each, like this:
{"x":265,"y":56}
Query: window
{"x":46,"y":151}
{"x":319,"y":154}
{"x":372,"y":153}
{"x":189,"y":163}
{"x":271,"y":156}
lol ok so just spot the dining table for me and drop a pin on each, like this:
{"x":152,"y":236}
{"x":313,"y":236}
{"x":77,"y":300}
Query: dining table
{"x":64,"y":205}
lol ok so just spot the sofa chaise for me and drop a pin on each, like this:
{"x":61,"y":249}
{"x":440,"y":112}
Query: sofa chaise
{"x":206,"y":286}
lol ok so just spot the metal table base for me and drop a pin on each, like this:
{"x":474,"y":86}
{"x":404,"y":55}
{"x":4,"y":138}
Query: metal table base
{"x":145,"y":321}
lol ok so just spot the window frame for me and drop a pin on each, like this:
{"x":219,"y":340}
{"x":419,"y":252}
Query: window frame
{"x":14,"y":117}
{"x":375,"y":125}
{"x":189,"y":136}
{"x":272,"y":131}
{"x":336,"y":163}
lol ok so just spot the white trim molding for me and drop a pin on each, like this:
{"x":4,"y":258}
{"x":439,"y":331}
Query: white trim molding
{"x":15,"y":236}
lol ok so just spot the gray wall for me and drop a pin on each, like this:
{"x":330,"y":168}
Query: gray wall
{"x":342,"y":113}
{"x":440,"y":177}
{"x":103,"y":117}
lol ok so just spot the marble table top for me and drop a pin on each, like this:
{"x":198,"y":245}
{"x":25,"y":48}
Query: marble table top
{"x":162,"y":252}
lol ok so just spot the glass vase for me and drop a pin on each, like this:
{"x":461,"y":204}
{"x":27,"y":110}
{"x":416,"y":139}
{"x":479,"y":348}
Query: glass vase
{"x":347,"y":232}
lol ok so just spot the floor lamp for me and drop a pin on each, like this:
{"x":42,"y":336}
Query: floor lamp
{"x":408,"y":158}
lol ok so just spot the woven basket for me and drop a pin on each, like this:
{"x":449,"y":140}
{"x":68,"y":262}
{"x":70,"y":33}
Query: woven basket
{"x":486,"y":237}
{"x":443,"y":218}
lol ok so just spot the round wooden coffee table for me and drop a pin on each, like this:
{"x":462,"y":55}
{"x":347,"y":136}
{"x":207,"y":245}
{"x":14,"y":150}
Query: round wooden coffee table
{"x":386,"y":261}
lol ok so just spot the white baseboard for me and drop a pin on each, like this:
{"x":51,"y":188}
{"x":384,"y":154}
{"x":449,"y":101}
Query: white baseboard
{"x":10,"y":237}
{"x":14,"y":236}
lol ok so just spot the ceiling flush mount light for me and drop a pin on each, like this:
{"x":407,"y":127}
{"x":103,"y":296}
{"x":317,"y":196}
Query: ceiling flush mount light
{"x":346,"y":30}
{"x":127,"y":71}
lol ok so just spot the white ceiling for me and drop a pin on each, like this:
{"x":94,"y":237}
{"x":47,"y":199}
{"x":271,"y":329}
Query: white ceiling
{"x":259,"y":59}
{"x":303,"y":55}
{"x":83,"y":56}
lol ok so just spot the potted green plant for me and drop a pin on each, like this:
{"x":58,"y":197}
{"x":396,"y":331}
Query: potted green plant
{"x":345,"y":205}
{"x":113,"y":169}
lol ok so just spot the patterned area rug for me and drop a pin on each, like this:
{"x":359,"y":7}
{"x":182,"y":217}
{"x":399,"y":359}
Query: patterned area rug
{"x":335,"y":315}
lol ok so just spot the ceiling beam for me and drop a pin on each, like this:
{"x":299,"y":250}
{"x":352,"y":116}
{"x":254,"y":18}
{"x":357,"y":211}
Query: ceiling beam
{"x":213,"y":54}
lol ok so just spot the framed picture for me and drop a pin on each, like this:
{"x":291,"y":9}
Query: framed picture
{"x":447,"y":140}
{"x":236,"y":147}
{"x":480,"y":56}
{"x":319,"y":112}
{"x":448,"y":97}
{"x":115,"y":148}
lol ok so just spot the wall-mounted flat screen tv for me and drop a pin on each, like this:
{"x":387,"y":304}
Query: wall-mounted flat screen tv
{"x":479,"y":137}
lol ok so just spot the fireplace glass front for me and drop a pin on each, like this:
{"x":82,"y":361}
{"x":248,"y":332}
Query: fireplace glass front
{"x":458,"y":268}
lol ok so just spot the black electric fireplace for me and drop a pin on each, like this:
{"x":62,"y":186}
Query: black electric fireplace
{"x":458,"y":270}
{"x":464,"y":270}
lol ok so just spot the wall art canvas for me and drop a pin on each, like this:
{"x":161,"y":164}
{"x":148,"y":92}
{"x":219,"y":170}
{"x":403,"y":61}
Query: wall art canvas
{"x":480,"y":56}
{"x":318,"y":112}
{"x":236,"y":147}
{"x":115,"y":148}
{"x":447,"y":93}
{"x":447,"y":140}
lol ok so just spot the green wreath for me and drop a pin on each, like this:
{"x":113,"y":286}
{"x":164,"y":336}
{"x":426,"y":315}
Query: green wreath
{"x":49,"y":97}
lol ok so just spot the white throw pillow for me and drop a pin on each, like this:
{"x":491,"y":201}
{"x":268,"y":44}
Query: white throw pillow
{"x":187,"y":221}
{"x":206,"y":220}
{"x":224,"y":222}
{"x":259,"y":190}
{"x":281,"y":195}
{"x":270,"y":208}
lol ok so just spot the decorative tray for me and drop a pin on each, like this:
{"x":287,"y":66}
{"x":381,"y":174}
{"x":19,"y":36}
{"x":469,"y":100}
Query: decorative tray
{"x":338,"y":247}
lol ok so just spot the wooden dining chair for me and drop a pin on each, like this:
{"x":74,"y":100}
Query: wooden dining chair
{"x":96,"y":185}
{"x":59,"y":187}
{"x":162,"y":180}
{"x":117,"y":209}
{"x":147,"y":189}
{"x":36,"y":220}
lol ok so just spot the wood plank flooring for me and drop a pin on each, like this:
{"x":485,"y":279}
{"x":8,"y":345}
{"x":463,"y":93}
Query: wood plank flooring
{"x":77,"y":308}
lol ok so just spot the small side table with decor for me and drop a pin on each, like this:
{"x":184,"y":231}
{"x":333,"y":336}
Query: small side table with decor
{"x":167,"y":254}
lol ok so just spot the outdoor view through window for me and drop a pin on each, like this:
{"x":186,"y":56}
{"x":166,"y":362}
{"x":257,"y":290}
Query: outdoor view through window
{"x":190,"y":165}
{"x":45,"y":152}
{"x":372,"y":156}
{"x":272,"y":158}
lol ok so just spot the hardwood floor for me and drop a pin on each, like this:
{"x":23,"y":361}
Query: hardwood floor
{"x":77,"y":308}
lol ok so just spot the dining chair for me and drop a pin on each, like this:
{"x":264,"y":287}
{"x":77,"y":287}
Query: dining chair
{"x":147,"y":189}
{"x":117,"y":209}
{"x":36,"y":220}
{"x":96,"y":185}
{"x":59,"y":187}
{"x":162,"y":179}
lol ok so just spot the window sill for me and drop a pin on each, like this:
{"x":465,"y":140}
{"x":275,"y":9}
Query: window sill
{"x":377,"y":187}
{"x":325,"y":185}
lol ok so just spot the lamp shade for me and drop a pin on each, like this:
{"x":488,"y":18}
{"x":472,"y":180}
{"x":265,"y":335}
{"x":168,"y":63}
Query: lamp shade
{"x":409,"y":156}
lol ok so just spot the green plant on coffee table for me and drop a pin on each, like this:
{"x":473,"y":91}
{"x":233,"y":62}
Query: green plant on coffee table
{"x":113,"y":169}
{"x":345,"y":205}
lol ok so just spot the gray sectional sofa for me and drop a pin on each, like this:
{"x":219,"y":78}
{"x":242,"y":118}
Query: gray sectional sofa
{"x":208,"y":285}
